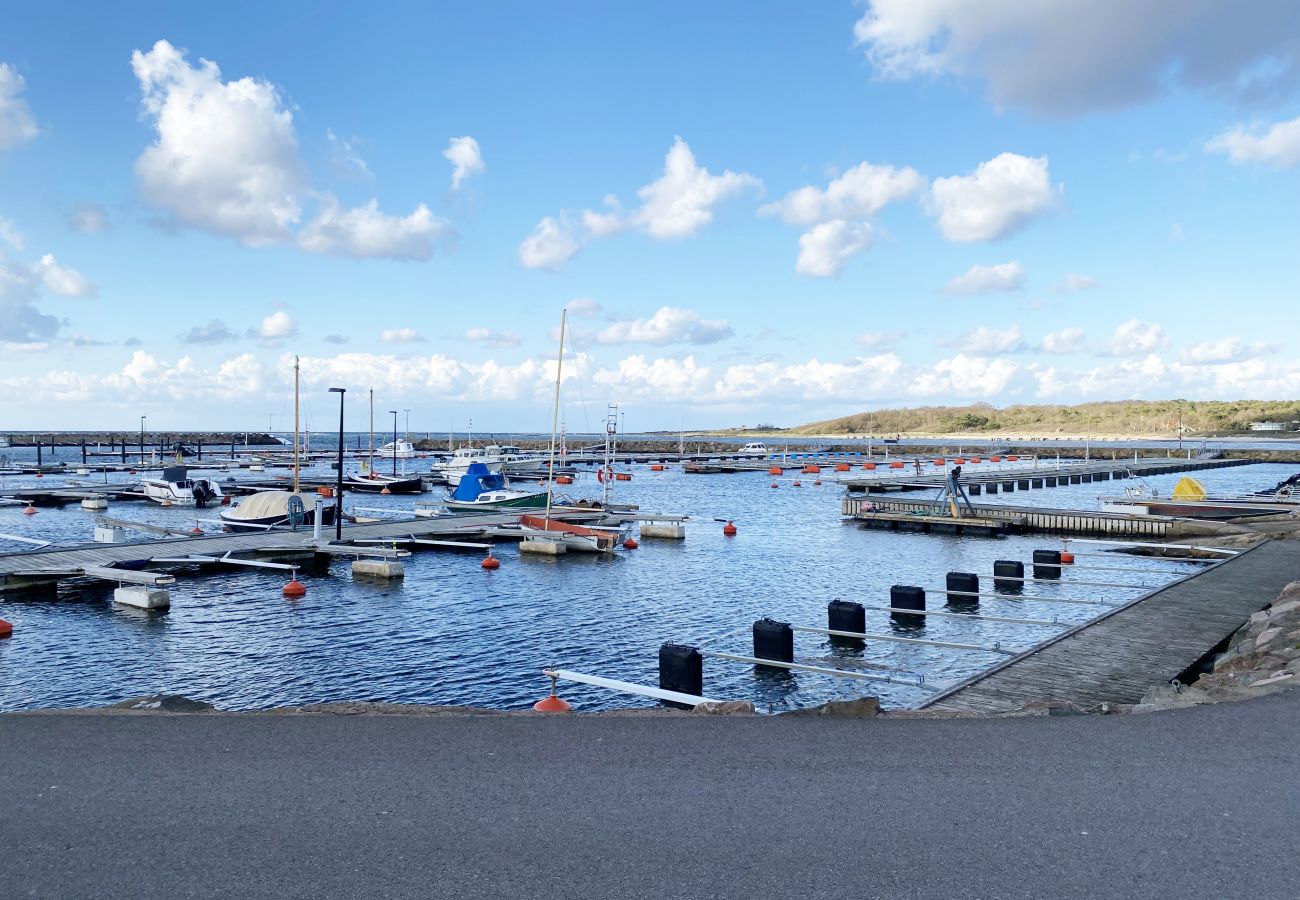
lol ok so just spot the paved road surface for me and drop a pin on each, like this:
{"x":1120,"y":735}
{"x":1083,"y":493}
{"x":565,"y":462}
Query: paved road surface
{"x":1197,"y":803}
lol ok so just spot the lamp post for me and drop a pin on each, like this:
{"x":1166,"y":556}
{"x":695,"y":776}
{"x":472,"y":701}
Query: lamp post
{"x":142,"y":418}
{"x":338,"y":489}
{"x":394,"y":444}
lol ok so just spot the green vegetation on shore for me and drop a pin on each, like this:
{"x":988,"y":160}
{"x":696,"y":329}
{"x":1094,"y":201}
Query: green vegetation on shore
{"x":1134,"y":417}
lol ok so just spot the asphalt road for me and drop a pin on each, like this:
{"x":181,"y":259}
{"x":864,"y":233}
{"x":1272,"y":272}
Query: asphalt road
{"x":1195,"y":803}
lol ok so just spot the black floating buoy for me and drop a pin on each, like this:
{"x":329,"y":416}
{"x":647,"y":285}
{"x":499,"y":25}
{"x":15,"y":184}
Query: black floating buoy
{"x":906,"y":596}
{"x":1008,"y":574}
{"x":681,"y":669}
{"x":845,"y":615}
{"x":1047,"y":563}
{"x":961,"y":584}
{"x":774,"y":640}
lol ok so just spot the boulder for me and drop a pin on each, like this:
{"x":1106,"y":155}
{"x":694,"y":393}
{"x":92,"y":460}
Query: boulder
{"x":724,"y":708}
{"x":170,"y":703}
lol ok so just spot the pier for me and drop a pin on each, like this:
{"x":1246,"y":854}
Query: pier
{"x":1120,"y":656}
{"x":895,"y":514}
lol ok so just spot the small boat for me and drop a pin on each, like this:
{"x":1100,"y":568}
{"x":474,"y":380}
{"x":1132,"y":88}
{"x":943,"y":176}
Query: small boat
{"x":481,"y":488}
{"x":574,"y":537}
{"x":755,"y":448}
{"x":504,"y":460}
{"x":176,"y":488}
{"x":1190,"y":500}
{"x":397,"y":450}
{"x":270,"y":509}
{"x":373,"y":483}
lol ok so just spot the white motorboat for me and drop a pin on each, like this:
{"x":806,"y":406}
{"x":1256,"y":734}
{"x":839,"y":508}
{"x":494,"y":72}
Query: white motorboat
{"x":397,"y":450}
{"x":176,"y":488}
{"x":499,"y":460}
{"x":755,"y":448}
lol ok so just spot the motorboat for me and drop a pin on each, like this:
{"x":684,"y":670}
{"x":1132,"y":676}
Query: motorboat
{"x":371,"y":482}
{"x":755,"y":448}
{"x":397,"y":450}
{"x":502,"y":460}
{"x":1190,"y":500}
{"x":272,"y":509}
{"x":574,"y":537}
{"x":480,"y":488}
{"x":176,"y":488}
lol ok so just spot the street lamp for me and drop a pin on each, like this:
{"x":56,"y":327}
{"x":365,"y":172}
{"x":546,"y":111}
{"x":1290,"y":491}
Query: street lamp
{"x":338,"y":489}
{"x":142,"y":418}
{"x":394,"y":444}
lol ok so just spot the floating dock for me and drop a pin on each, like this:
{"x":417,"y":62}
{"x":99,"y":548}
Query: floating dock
{"x":1145,"y":643}
{"x":1029,"y":519}
{"x":1042,"y":474}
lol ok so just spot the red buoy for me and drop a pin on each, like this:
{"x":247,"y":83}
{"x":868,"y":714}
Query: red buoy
{"x":818,"y":482}
{"x":656,"y":468}
{"x":5,"y":629}
{"x":385,"y":490}
{"x":774,"y":484}
{"x":797,"y":484}
{"x":30,"y":510}
{"x":40,"y":474}
{"x":630,"y":544}
{"x":490,"y":562}
{"x":729,"y":529}
{"x":294,"y":589}
{"x":1067,"y":557}
{"x":552,"y":704}
{"x":775,"y":470}
{"x":196,"y":530}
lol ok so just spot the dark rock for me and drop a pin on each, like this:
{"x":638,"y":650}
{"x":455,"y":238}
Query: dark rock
{"x":172,"y":703}
{"x":861,"y":708}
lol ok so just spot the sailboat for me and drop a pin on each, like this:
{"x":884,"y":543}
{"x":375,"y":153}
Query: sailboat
{"x":369,"y":481}
{"x":269,"y":509}
{"x":544,"y":532}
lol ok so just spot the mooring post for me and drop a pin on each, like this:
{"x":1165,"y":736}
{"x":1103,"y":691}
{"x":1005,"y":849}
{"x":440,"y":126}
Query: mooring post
{"x":83,"y":451}
{"x":38,"y":453}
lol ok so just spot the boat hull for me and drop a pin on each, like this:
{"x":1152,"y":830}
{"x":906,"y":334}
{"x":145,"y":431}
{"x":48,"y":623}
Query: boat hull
{"x":367,"y":485}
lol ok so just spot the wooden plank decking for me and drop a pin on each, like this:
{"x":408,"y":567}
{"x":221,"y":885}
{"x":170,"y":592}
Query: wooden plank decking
{"x":1120,"y":657}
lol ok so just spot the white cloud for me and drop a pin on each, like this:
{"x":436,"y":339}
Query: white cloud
{"x":1225,"y":350}
{"x":985,"y":341}
{"x":1135,"y":337}
{"x":1277,"y":145}
{"x":88,"y":218}
{"x":1067,"y":340}
{"x":1075,"y":282}
{"x":1000,"y":197}
{"x":826,"y":248}
{"x":550,"y":246}
{"x":466,"y":159}
{"x":226,"y":156}
{"x":401,"y":336}
{"x":1045,"y":57}
{"x":62,"y":280}
{"x":980,"y":279}
{"x":583,"y":308}
{"x":859,"y":193}
{"x":493,"y":338}
{"x":676,"y":205}
{"x":345,"y":159}
{"x":964,"y":376}
{"x":16,"y":121}
{"x":366,"y":233}
{"x":10,"y":234}
{"x":878,"y":340}
{"x":278,"y":325}
{"x":669,"y":325}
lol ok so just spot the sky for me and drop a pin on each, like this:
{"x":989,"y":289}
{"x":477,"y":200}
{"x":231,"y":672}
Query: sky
{"x":754,"y":212}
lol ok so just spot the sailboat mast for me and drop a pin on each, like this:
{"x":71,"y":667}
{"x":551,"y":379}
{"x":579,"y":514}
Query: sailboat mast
{"x":295,"y":424}
{"x":555,"y":417}
{"x":372,"y":431}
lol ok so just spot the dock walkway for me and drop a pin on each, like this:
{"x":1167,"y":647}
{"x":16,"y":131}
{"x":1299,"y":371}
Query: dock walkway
{"x":868,"y":510}
{"x":1118,"y":658}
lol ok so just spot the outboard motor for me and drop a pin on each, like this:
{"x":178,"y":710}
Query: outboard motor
{"x":202,"y":493}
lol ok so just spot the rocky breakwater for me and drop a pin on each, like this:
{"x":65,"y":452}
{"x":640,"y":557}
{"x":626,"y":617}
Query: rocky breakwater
{"x":1261,"y":658}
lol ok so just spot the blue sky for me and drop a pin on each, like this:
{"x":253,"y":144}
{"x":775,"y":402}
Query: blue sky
{"x":999,"y":203}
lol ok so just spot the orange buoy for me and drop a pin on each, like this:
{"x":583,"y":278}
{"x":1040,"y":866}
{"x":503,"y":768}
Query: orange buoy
{"x":811,"y":469}
{"x":818,"y":482}
{"x":30,"y":510}
{"x":1067,"y":557}
{"x":841,"y":467}
{"x":294,"y":589}
{"x":385,"y":490}
{"x":995,"y":459}
{"x":552,"y":704}
{"x":656,"y":468}
{"x":797,"y":484}
{"x":774,"y":484}
{"x":1012,"y":458}
{"x":940,"y":462}
{"x":5,"y":629}
{"x":975,"y":459}
{"x":490,"y":562}
{"x":730,"y":528}
{"x":895,"y":465}
{"x":196,"y":530}
{"x":563,"y":479}
{"x":164,"y":503}
{"x":623,"y":476}
{"x":325,"y":491}
{"x":776,"y":470}
{"x":630,"y":544}
{"x":225,"y":501}
{"x":40,"y":474}
{"x":959,"y":461}
{"x":869,"y":467}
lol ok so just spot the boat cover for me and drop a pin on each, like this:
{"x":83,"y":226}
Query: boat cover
{"x":477,"y":479}
{"x":1189,"y":489}
{"x":266,"y":504}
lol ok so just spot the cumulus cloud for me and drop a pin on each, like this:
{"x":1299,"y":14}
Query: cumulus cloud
{"x":1002,"y":196}
{"x":1067,"y":340}
{"x":980,"y":279}
{"x":88,"y":218}
{"x":366,"y":233}
{"x":278,"y":325}
{"x":859,"y":193}
{"x":215,"y":332}
{"x":678,"y":204}
{"x":17,"y":124}
{"x":1225,"y":350}
{"x":825,"y":249}
{"x":62,"y":280}
{"x":401,"y":336}
{"x":985,"y":341}
{"x":226,"y":156}
{"x":964,"y":376}
{"x":1044,"y":56}
{"x":466,"y":159}
{"x":669,"y":325}
{"x":1136,"y":337}
{"x":551,"y":245}
{"x":493,"y":338}
{"x":1276,"y":145}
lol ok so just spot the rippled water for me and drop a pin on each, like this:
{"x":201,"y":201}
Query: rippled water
{"x":453,"y":633}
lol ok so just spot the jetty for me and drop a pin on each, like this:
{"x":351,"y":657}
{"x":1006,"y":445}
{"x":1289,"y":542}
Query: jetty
{"x":1120,"y":656}
{"x":980,"y":478}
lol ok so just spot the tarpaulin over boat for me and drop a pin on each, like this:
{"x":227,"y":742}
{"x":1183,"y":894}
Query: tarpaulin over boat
{"x":477,"y":479}
{"x":1189,"y":489}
